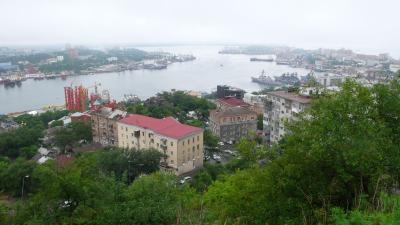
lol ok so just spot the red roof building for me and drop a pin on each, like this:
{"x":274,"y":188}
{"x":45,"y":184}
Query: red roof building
{"x":169,"y":126}
{"x":231,"y":102}
{"x":180,"y":143}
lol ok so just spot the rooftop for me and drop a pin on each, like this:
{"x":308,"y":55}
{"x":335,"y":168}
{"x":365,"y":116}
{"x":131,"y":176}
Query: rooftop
{"x":291,"y":96}
{"x":231,"y":111}
{"x":167,"y":127}
{"x":109,"y":112}
{"x":232,"y":101}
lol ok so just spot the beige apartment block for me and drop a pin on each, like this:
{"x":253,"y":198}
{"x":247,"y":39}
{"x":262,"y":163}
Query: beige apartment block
{"x":182,"y":144}
{"x":104,"y":125}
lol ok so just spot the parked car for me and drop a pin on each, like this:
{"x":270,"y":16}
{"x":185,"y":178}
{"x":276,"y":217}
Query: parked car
{"x":185,"y":179}
{"x":221,"y":143}
{"x":217,"y":158}
{"x":228,"y":151}
{"x":230,"y":142}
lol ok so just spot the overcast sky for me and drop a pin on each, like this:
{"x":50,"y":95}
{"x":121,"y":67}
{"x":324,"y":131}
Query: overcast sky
{"x":363,"y":25}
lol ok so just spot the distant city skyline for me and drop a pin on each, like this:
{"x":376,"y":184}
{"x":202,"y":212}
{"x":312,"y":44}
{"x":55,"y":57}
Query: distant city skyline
{"x":363,"y":26}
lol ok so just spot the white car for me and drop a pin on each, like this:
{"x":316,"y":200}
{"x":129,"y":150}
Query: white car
{"x":230,"y":142}
{"x":185,"y":179}
{"x":217,"y":158}
{"x":228,"y":151}
{"x":221,"y":143}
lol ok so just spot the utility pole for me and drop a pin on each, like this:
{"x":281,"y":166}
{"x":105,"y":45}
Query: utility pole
{"x":23,"y":185}
{"x":129,"y":171}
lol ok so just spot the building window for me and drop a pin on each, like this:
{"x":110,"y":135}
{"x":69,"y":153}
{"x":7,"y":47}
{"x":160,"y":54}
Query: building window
{"x":198,"y":147}
{"x":172,"y":161}
{"x":172,"y":143}
{"x":193,"y":140}
{"x":143,"y":133}
{"x":172,"y":153}
{"x":158,"y":145}
{"x":198,"y":138}
{"x":193,"y":149}
{"x":126,"y":129}
{"x":133,"y":142}
{"x":188,"y":141}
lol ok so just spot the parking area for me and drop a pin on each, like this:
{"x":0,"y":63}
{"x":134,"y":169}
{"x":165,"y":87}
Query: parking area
{"x":224,"y":155}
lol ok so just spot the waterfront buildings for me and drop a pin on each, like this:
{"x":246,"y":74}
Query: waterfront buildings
{"x":182,"y":144}
{"x":104,"y":125}
{"x":280,"y":107}
{"x":232,"y":123}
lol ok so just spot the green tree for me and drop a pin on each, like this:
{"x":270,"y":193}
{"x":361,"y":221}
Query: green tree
{"x":333,"y":156}
{"x":81,"y":130}
{"x":151,"y":199}
{"x":260,"y":122}
{"x":17,"y":175}
{"x":130,"y":163}
{"x":64,"y":137}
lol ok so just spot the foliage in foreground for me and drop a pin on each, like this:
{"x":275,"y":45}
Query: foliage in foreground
{"x":343,"y":151}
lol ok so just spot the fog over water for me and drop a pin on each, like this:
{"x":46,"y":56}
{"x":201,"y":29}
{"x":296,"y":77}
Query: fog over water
{"x":369,"y":26}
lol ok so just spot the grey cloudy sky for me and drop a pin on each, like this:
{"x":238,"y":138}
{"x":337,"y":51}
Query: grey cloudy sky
{"x":365,"y":25}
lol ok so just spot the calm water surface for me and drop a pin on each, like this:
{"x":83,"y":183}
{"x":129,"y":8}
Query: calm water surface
{"x":202,"y":74}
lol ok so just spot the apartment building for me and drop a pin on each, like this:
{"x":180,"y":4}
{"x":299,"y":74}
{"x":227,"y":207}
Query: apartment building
{"x":282,"y":106}
{"x":182,"y":144}
{"x":232,"y":123}
{"x":104,"y":125}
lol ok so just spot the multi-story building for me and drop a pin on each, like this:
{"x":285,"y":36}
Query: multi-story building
{"x":232,"y":123}
{"x":328,"y":80}
{"x":104,"y":125}
{"x":182,"y":144}
{"x":228,"y":91}
{"x":282,"y":106}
